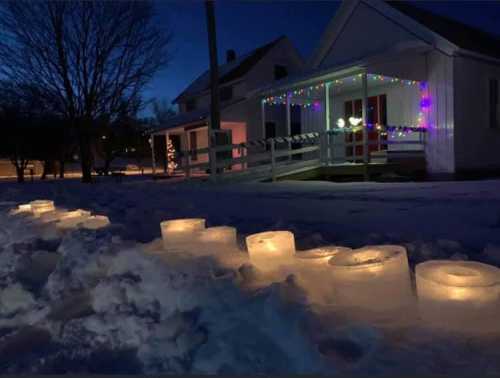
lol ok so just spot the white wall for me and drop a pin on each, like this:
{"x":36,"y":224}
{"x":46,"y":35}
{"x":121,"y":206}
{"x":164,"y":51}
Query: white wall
{"x":439,"y":149}
{"x":367,"y":32}
{"x":477,"y":146}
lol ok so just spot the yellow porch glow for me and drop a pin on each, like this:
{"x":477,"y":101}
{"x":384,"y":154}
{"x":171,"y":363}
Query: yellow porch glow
{"x":41,"y":206}
{"x":373,"y":278}
{"x":269,"y":250}
{"x":178,"y":232}
{"x":463,"y":295}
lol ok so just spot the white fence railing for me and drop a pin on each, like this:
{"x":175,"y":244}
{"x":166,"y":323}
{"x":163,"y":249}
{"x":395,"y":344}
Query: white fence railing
{"x":270,"y":158}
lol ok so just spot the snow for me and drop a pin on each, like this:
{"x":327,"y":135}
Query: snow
{"x":114,"y":292}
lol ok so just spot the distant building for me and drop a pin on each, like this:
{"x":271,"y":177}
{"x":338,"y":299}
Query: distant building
{"x":239,"y":77}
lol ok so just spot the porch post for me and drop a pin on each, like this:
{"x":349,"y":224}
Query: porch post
{"x":327,"y":106}
{"x":365,"y":117}
{"x":263,"y":117}
{"x":152,"y":144}
{"x":364,"y":79}
{"x":288,"y":124}
{"x":166,"y":142}
{"x":327,"y":122}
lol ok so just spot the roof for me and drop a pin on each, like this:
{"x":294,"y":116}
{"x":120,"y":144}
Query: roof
{"x":198,"y":116}
{"x":460,"y":34}
{"x":229,"y":71}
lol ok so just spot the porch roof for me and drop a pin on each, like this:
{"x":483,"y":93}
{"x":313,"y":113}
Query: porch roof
{"x":369,"y":65}
{"x":195,"y":117}
{"x":311,"y":77}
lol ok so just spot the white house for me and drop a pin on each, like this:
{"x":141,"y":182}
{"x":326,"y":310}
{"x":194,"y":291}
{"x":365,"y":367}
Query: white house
{"x":407,"y":75}
{"x":240,"y":112}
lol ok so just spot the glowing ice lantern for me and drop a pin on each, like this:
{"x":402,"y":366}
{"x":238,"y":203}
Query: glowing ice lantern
{"x":461,"y":295}
{"x":270,"y":250}
{"x":95,"y":222}
{"x":314,"y":271}
{"x":41,"y":206}
{"x":24,"y":208}
{"x":220,"y":237}
{"x":373,"y":278}
{"x":180,"y":232}
{"x":71,"y":219}
{"x":51,"y":216}
{"x":317,"y":258}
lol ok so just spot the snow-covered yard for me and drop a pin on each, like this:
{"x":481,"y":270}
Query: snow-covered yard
{"x":111,"y":300}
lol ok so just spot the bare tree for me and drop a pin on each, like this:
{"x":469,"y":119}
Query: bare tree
{"x":162,"y":111}
{"x":90,"y":59}
{"x":20,"y":116}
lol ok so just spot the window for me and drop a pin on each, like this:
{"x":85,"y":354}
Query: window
{"x":494,"y":104}
{"x":280,"y":72}
{"x":193,"y":143}
{"x":226,"y":93}
{"x":190,"y":105}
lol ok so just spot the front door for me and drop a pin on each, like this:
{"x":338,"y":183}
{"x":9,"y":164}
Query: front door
{"x":376,"y":115}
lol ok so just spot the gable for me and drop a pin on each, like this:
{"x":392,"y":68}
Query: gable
{"x":367,"y":31}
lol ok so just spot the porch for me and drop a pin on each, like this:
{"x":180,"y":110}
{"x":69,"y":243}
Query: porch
{"x":348,"y":121}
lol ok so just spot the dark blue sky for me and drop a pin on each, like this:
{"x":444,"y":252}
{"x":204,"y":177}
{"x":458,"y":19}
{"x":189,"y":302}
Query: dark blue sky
{"x":245,"y":25}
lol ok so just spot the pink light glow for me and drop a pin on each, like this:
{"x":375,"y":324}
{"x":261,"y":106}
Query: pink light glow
{"x":425,"y":105}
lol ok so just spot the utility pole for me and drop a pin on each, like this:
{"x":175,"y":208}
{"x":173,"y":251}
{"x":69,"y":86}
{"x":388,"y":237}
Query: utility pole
{"x":214,"y":67}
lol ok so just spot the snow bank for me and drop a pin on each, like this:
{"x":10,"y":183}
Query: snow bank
{"x":109,"y":298}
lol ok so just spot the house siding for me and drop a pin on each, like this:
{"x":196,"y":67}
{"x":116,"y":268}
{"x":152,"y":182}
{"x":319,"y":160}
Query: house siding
{"x":440,"y":140}
{"x":477,"y":145}
{"x":367,"y":32}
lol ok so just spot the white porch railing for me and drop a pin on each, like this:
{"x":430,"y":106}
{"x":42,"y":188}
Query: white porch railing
{"x":273,"y":157}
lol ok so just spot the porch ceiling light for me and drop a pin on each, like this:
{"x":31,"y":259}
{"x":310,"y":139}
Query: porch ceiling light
{"x":373,"y":278}
{"x":41,"y":206}
{"x":463,"y":295}
{"x":180,"y":232}
{"x":270,"y":250}
{"x":355,"y":121}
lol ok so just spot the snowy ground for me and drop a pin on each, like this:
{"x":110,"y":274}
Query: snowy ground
{"x":109,"y":301}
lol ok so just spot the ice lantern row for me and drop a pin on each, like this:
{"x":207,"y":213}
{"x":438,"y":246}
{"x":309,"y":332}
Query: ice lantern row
{"x":180,"y":232}
{"x":39,"y":207}
{"x":373,"y":278}
{"x":219,"y":237}
{"x":270,"y":250}
{"x":461,"y":295}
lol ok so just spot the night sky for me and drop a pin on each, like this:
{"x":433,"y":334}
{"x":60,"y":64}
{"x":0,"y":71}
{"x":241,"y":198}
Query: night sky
{"x":245,"y":25}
